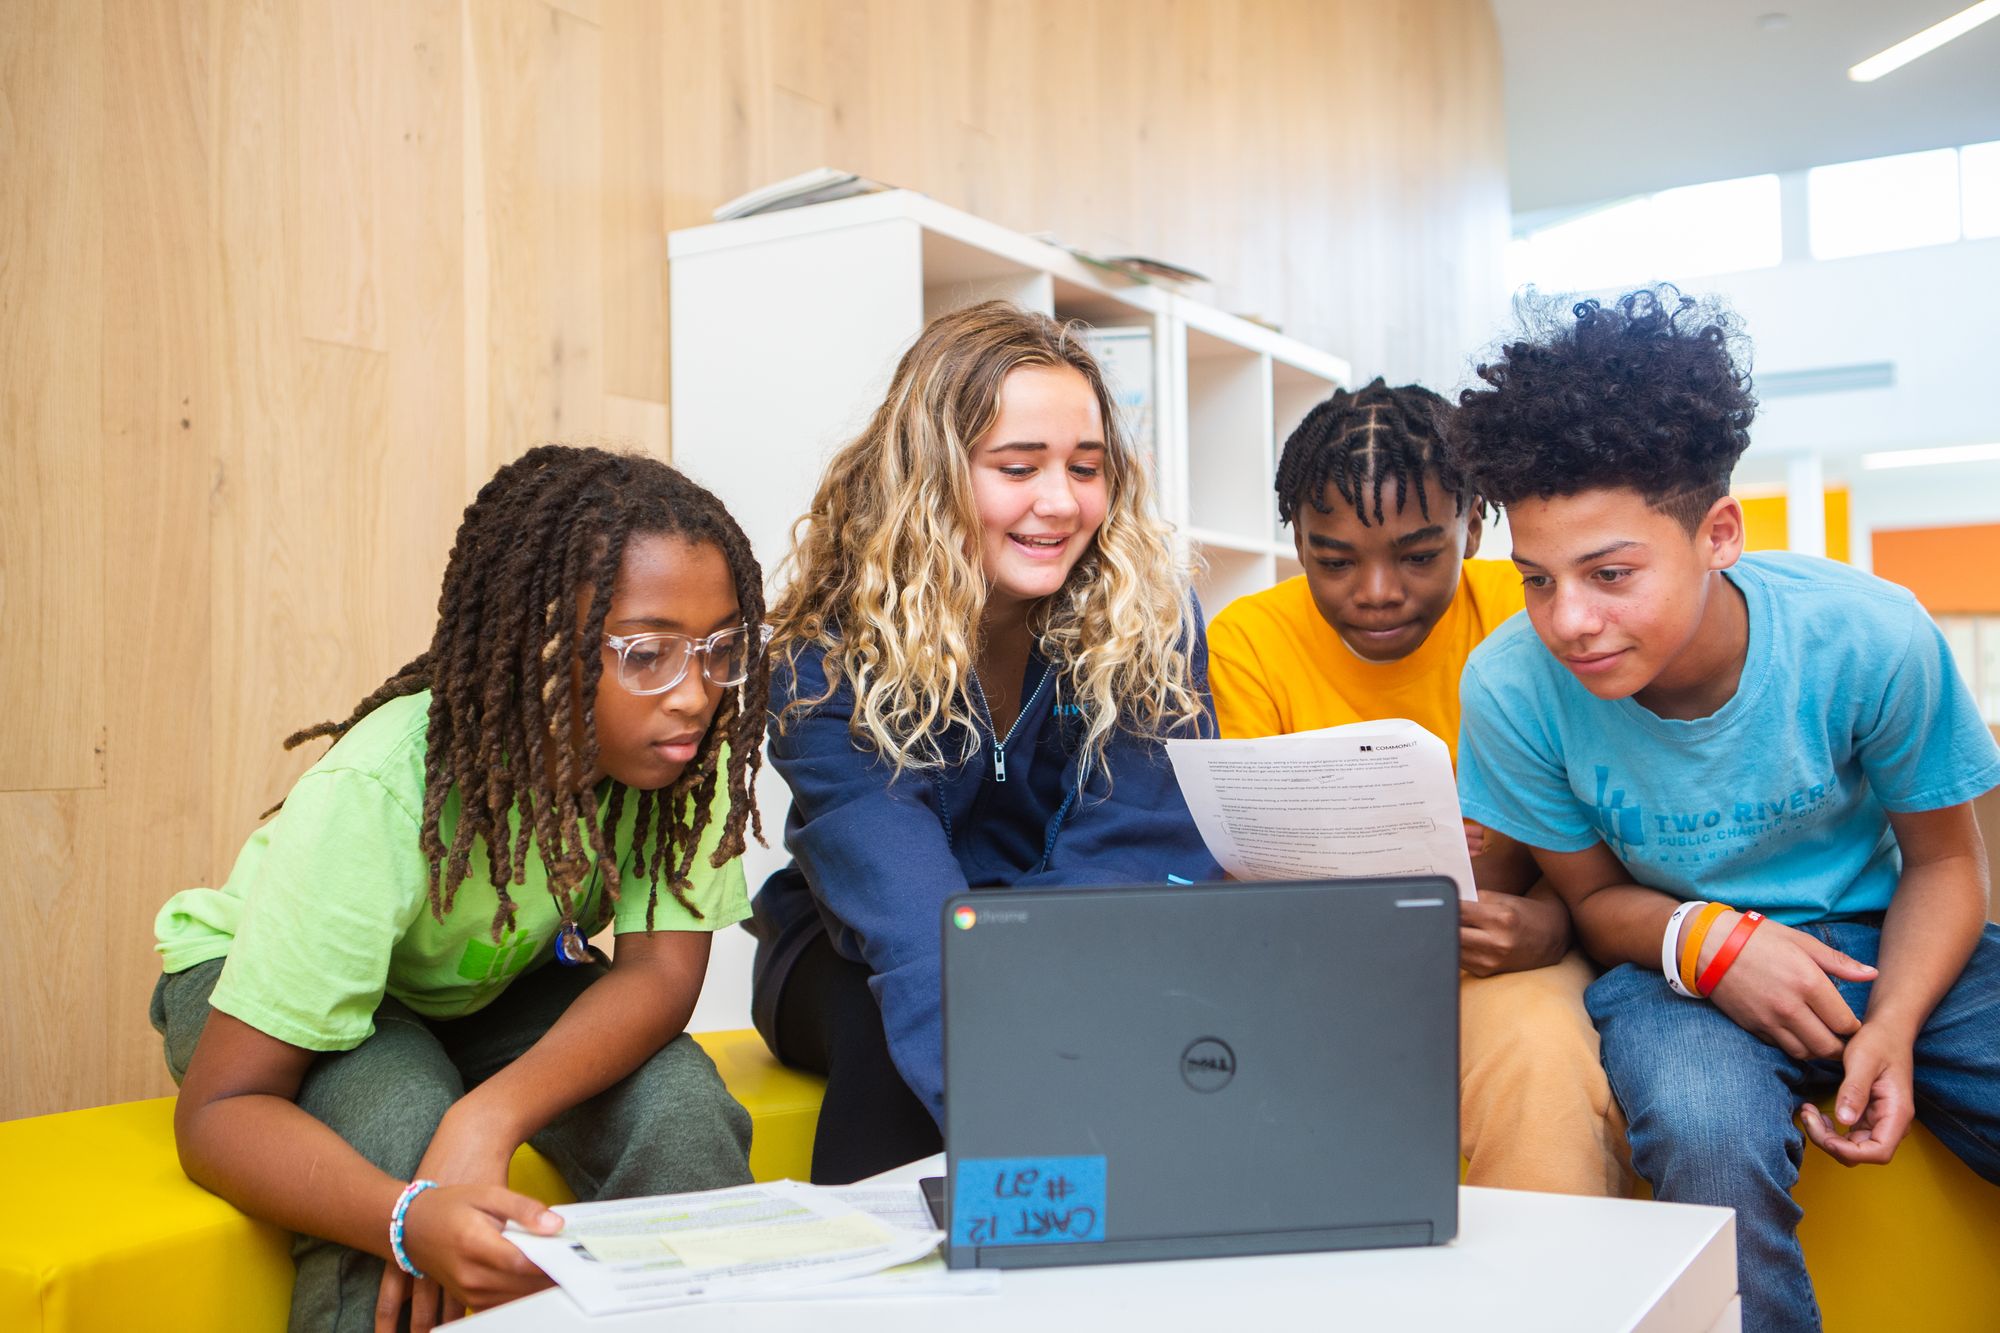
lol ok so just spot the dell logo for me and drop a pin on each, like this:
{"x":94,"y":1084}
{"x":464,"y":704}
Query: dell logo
{"x":1208,"y":1064}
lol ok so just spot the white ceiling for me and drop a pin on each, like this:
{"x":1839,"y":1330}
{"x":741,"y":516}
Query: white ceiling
{"x":1609,"y":98}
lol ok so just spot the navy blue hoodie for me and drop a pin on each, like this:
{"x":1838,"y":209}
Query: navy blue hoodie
{"x":875,"y":858}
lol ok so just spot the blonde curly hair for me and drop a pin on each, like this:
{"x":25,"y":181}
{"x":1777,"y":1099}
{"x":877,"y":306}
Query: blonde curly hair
{"x":885,"y":576}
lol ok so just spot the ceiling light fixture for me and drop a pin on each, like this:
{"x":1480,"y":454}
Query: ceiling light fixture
{"x":1925,"y":42}
{"x":1953,"y":453}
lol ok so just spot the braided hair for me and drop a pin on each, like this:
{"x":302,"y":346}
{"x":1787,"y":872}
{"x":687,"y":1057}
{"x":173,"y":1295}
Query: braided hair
{"x":520,"y":617}
{"x":1360,"y":442}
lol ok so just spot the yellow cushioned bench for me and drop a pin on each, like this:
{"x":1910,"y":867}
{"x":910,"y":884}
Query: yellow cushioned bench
{"x":1906,"y":1246}
{"x":100,"y":1230}
{"x":1912,"y":1245}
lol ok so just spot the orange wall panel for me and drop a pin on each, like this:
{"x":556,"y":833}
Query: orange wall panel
{"x":1953,"y":571}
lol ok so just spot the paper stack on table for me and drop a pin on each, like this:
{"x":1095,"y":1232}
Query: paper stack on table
{"x":901,"y":1206}
{"x":773,"y":1240}
{"x":1366,"y":799}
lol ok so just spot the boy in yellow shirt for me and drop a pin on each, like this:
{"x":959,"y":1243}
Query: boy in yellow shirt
{"x":1380,"y":625}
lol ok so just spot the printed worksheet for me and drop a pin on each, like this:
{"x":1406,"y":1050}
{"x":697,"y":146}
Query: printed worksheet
{"x":755,"y":1240}
{"x":1366,"y":799}
{"x":903,"y":1206}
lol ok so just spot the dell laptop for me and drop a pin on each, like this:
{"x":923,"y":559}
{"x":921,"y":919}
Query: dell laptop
{"x":1178,"y":1072}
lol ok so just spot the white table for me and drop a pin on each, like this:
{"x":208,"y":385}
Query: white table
{"x":1522,"y":1263}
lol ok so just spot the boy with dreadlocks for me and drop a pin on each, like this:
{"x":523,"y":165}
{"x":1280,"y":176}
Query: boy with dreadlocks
{"x":1749,"y":776}
{"x":392,"y":991}
{"x":1380,"y":625}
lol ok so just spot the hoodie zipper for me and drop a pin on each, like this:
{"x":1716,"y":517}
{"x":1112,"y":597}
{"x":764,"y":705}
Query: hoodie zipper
{"x":986,"y":716}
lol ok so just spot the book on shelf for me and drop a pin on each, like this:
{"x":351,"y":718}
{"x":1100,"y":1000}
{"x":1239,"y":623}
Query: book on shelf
{"x":819,"y":186}
{"x":1125,"y":355}
{"x":1134,"y":268}
{"x":1161,"y":271}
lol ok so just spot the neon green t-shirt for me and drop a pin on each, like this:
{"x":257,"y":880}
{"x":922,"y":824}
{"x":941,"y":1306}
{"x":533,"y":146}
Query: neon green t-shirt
{"x":328,"y":906}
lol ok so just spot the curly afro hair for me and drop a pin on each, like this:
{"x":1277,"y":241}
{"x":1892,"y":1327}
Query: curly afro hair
{"x":1651,"y":393}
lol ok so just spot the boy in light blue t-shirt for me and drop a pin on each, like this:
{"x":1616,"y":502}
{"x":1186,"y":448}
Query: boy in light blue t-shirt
{"x":1749,"y":777}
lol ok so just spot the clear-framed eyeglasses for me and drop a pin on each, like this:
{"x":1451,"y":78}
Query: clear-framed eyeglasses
{"x":655,"y":663}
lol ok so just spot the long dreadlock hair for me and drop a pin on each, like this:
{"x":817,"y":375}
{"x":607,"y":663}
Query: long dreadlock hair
{"x":520,"y":618}
{"x":1360,"y":442}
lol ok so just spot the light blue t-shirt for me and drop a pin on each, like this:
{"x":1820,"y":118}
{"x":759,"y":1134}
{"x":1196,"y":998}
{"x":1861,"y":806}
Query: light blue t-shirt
{"x":1849,"y":707}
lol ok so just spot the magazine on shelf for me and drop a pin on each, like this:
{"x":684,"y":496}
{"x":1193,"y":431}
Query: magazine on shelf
{"x":819,"y":186}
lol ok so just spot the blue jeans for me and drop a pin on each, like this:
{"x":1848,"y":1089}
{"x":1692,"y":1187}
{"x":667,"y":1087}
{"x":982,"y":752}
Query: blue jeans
{"x":1711,"y":1107}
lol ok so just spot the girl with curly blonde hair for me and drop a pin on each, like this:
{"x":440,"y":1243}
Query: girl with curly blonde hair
{"x":985,"y":639}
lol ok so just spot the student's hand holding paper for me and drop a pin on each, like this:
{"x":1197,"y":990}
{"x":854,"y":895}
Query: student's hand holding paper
{"x":1877,"y":1100}
{"x":452,"y":1234}
{"x":455,"y":1239}
{"x":1509,"y":932}
{"x":1359,"y":800}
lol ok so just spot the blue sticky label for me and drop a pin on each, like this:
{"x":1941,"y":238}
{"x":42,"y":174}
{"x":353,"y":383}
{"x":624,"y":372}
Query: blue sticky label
{"x":1027,"y":1200}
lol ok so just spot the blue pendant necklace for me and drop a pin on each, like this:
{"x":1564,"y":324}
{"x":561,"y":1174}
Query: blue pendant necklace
{"x":570,"y":947}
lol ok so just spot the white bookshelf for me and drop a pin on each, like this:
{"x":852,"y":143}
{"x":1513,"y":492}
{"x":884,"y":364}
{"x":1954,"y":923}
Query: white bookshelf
{"x":785,"y":329}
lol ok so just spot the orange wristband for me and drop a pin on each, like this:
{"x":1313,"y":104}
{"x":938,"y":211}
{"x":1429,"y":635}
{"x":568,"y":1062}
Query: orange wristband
{"x":1730,"y":948}
{"x":1697,"y":932}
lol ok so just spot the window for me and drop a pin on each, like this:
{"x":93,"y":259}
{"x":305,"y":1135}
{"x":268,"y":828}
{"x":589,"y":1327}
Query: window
{"x":1975,"y":646}
{"x":1718,"y":227}
{"x":1853,"y":208}
{"x":1883,"y":203}
{"x":1979,"y":189}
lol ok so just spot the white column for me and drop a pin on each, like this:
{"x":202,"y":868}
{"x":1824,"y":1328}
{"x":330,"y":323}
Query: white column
{"x":1805,"y":504}
{"x":1794,"y":221}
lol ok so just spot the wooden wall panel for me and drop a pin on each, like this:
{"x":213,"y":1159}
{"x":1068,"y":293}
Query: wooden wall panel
{"x":275,"y":634}
{"x":1986,"y":809}
{"x":1338,"y":167}
{"x":51,"y":467}
{"x":341,"y":106}
{"x":54,"y":1040}
{"x":420,"y":482}
{"x":282,"y":281}
{"x":635,"y":213}
{"x":532,"y":100}
{"x":160,"y":373}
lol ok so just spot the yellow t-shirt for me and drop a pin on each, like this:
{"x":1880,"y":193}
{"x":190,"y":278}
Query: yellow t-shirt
{"x":1277,"y":667}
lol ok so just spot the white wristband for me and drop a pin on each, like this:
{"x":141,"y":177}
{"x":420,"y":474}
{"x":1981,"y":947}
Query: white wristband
{"x":1670,"y":964}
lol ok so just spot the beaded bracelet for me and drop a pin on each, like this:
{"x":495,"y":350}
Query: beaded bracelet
{"x":1732,"y":946}
{"x":403,"y":1201}
{"x":1670,"y":951}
